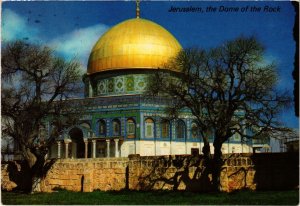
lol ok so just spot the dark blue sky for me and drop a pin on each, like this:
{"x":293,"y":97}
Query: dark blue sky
{"x":73,"y":27}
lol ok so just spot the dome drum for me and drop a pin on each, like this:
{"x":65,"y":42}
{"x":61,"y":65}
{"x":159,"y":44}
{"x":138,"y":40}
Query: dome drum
{"x":118,"y":82}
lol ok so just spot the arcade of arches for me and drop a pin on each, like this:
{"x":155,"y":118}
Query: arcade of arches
{"x":77,"y":146}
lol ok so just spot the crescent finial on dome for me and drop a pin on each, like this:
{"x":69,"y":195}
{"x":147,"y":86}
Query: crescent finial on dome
{"x":137,"y":9}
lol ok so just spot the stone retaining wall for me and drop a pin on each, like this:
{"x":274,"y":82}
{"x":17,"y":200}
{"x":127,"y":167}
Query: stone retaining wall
{"x":86,"y":174}
{"x":176,"y":172}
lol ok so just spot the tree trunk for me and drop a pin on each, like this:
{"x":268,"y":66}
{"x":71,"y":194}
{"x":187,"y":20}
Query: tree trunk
{"x":35,"y":161}
{"x":208,"y":168}
{"x":36,"y":185}
{"x":206,"y":149}
{"x":217,"y":166}
{"x":38,"y":171}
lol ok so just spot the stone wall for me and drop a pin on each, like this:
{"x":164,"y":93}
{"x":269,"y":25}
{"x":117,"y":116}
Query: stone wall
{"x":176,"y":172}
{"x":6,"y":182}
{"x":86,"y":174}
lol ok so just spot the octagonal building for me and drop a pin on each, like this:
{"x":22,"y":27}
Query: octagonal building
{"x":119,"y":119}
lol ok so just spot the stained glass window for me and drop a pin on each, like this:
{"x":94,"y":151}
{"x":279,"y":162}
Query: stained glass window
{"x":180,"y":129}
{"x":102,"y":128}
{"x":195,"y":130}
{"x":149,"y":128}
{"x":116,"y":127}
{"x":130,"y":128}
{"x":165,"y":129}
{"x":237,"y":137}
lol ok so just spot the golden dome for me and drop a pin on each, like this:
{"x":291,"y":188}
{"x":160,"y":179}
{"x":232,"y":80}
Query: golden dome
{"x":133,"y":44}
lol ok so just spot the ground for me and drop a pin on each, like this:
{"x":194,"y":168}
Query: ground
{"x":154,"y":198}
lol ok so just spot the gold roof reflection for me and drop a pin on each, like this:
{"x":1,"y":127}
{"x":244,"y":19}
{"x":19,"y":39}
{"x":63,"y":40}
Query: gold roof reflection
{"x":133,"y":44}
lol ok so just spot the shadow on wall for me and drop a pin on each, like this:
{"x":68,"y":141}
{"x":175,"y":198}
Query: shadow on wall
{"x":18,"y":173}
{"x":238,"y":172}
{"x":276,"y":171}
{"x":179,"y":173}
{"x":22,"y":176}
{"x":264,"y":171}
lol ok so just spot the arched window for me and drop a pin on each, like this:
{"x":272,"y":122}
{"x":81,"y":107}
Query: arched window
{"x":102,"y":127}
{"x":236,"y":137}
{"x":165,"y":128}
{"x":42,"y":133}
{"x":86,"y":129}
{"x":130,"y":128}
{"x":149,"y":128}
{"x":194,"y":130}
{"x":85,"y":125}
{"x":209,"y":135}
{"x":180,"y":129}
{"x":116,"y":127}
{"x":54,"y":131}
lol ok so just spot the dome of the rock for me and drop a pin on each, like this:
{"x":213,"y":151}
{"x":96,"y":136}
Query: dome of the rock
{"x":133,"y":44}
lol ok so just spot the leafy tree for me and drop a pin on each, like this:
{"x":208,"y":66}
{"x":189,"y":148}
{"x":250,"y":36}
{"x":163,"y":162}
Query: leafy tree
{"x":35,"y":84}
{"x":229,"y":90}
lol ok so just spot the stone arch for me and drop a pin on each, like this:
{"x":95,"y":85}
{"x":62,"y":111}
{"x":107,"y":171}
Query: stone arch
{"x":87,"y":132}
{"x":77,"y":134}
{"x":77,"y":145}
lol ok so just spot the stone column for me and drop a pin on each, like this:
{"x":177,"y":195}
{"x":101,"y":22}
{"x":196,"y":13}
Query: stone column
{"x":116,"y":147}
{"x":86,"y":148}
{"x":94,"y":148}
{"x":67,"y":141}
{"x":58,"y":149}
{"x":107,"y":145}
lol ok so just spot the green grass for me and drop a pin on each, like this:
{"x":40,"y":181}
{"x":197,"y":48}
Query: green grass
{"x":154,"y":198}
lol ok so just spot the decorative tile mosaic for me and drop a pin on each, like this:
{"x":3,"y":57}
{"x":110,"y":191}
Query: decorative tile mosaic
{"x":110,"y":85}
{"x":122,"y":84}
{"x":129,"y":83}
{"x":102,"y":88}
{"x":119,"y":84}
{"x":140,"y":83}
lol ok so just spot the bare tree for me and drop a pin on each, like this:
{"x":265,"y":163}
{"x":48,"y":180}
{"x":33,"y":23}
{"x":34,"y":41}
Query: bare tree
{"x":229,"y":90}
{"x":35,"y":84}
